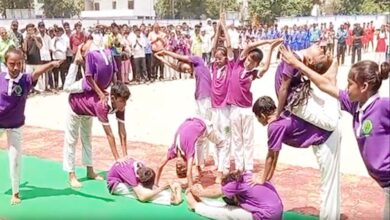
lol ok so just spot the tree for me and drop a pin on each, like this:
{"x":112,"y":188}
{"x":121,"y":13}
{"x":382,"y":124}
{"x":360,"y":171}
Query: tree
{"x":62,"y":9}
{"x":15,"y":4}
{"x":193,"y":8}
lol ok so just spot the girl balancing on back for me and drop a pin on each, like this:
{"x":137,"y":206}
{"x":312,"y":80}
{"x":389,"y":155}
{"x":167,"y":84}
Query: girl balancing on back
{"x":370,"y":112}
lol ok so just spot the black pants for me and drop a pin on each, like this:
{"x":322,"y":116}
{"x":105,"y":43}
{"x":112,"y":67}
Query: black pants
{"x":118,"y":75}
{"x":356,"y":49}
{"x":236,"y":53}
{"x":206,"y":57}
{"x":61,"y":71}
{"x":341,"y":53}
{"x":157,"y":65}
{"x":140,"y":67}
{"x":148,"y":62}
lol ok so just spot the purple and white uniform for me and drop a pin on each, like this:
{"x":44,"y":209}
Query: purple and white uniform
{"x":82,"y":108}
{"x":101,"y":67}
{"x":123,"y":173}
{"x":203,"y":87}
{"x":221,"y":111}
{"x":298,"y":133}
{"x":286,"y":70}
{"x":371,"y":125}
{"x":262,"y":200}
{"x":240,"y":98}
{"x":13,"y":96}
{"x":187,"y":136}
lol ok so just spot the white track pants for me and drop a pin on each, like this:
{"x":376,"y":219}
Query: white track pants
{"x":328,"y":158}
{"x":76,"y":124}
{"x":70,"y":84}
{"x":226,"y":212}
{"x":221,"y":122}
{"x":14,"y":144}
{"x":242,"y":127}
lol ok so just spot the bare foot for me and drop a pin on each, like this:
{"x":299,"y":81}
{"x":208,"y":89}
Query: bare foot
{"x":94,"y":176}
{"x":191,"y":201}
{"x":74,"y":182}
{"x":218,"y":178}
{"x":15,"y":199}
{"x":176,"y":193}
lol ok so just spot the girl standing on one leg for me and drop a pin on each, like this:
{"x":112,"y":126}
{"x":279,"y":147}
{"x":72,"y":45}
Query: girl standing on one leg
{"x":14,"y":89}
{"x":371,"y":122}
{"x":240,"y":98}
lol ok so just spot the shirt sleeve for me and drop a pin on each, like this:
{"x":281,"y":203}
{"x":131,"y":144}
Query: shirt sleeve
{"x":276,"y":133}
{"x":102,"y":113}
{"x":346,"y":103}
{"x":29,"y":81}
{"x":90,"y":68}
{"x":196,"y":61}
{"x":171,"y":154}
{"x":120,"y":116}
{"x":289,"y":71}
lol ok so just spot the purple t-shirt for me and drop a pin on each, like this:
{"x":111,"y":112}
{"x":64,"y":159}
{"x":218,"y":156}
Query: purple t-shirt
{"x":202,"y":77}
{"x":262,"y":200}
{"x":122,"y":173}
{"x":96,"y":67}
{"x":12,"y":105}
{"x":189,"y":132}
{"x":286,"y":70}
{"x":295,"y":132}
{"x":220,"y":84}
{"x":373,"y":137}
{"x":239,"y":91}
{"x":88,"y":104}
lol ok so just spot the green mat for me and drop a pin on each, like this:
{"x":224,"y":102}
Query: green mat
{"x":46,"y":195}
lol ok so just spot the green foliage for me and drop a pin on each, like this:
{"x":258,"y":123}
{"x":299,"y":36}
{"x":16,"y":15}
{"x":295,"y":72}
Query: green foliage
{"x":193,"y":8}
{"x":62,"y":9}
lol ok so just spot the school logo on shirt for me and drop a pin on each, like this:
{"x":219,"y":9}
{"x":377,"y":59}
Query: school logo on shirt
{"x":18,"y":90}
{"x":227,"y":130}
{"x":367,"y":127}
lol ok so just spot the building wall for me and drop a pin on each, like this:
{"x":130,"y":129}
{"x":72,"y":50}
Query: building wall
{"x":142,"y":8}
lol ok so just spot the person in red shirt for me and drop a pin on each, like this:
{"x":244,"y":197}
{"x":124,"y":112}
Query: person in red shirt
{"x":76,"y":39}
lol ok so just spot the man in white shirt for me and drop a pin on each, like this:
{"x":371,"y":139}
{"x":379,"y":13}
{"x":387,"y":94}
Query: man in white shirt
{"x":234,"y":40}
{"x":138,"y":48}
{"x":45,"y":54}
{"x":59,"y":46}
{"x":206,"y":46}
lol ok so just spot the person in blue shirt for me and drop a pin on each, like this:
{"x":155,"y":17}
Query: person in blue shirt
{"x":341,"y":37}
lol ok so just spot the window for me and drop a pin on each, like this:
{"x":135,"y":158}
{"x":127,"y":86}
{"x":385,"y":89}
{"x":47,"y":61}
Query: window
{"x":96,"y":6}
{"x":130,"y":4}
{"x":114,"y":5}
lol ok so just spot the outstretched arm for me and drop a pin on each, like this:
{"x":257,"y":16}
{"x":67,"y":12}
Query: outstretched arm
{"x":44,"y":68}
{"x":269,"y":169}
{"x":145,"y":194}
{"x":159,"y":171}
{"x":321,"y":81}
{"x":267,"y":60}
{"x":252,"y":46}
{"x":215,"y":39}
{"x":176,"y":56}
{"x":166,"y":62}
{"x":230,"y":53}
{"x":111,"y":140}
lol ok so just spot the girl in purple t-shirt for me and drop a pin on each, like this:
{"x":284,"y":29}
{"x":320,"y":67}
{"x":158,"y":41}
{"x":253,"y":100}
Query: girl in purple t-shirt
{"x":135,"y":180}
{"x":241,"y":201}
{"x":14,"y":89}
{"x":239,"y":97}
{"x":370,"y":112}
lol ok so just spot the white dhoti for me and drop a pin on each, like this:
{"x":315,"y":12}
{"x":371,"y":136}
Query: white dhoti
{"x":14,"y":144}
{"x":221,"y":122}
{"x":242,"y":129}
{"x":204,"y":111}
{"x":76,"y":124}
{"x":70,"y":84}
{"x":328,"y":158}
{"x":163,"y":198}
{"x":224,"y":212}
